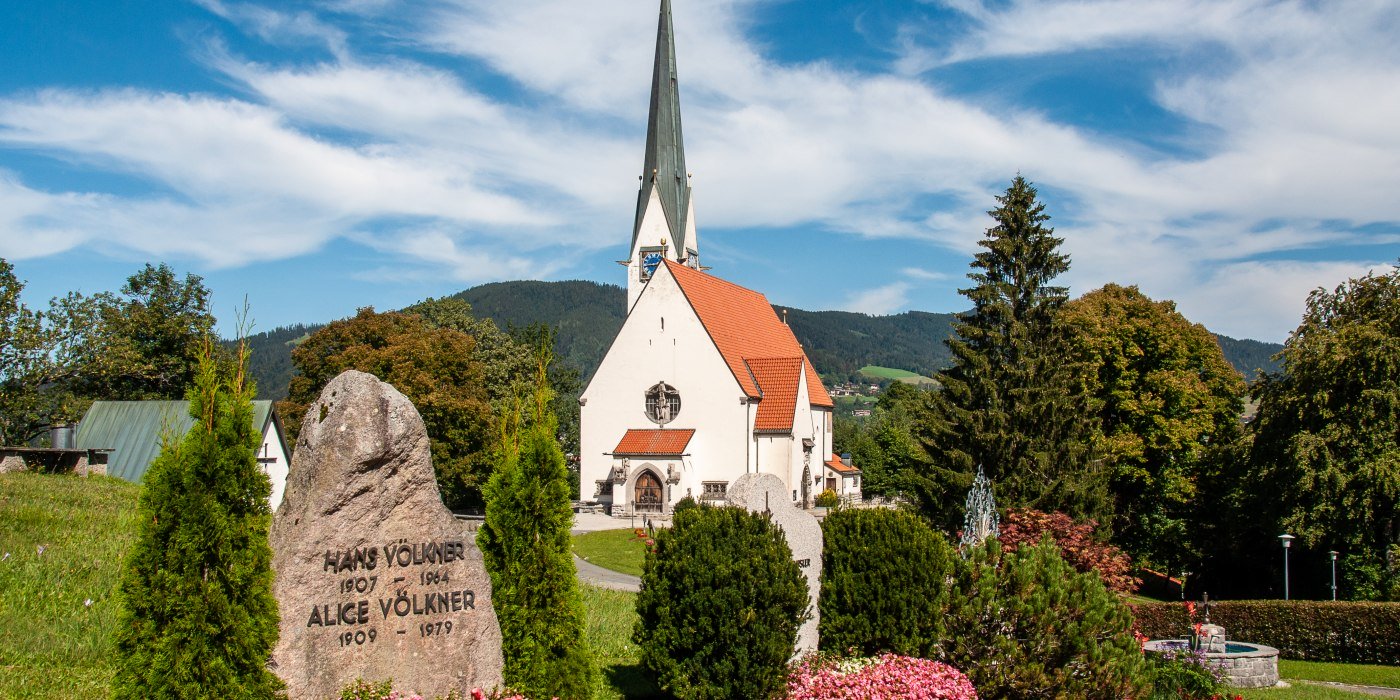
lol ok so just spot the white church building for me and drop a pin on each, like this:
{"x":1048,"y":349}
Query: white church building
{"x":703,"y":383}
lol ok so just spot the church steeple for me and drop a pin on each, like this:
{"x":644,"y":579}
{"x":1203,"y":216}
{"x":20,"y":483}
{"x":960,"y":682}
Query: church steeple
{"x":663,"y":168}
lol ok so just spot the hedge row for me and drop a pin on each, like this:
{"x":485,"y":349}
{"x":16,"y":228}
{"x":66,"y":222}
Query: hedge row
{"x":1344,"y":632}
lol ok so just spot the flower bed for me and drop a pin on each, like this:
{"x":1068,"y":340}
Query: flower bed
{"x":885,"y":677}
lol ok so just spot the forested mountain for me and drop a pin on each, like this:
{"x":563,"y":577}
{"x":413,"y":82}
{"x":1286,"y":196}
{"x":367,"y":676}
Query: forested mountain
{"x":588,"y":316}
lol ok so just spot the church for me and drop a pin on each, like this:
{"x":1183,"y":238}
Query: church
{"x":704,"y":382}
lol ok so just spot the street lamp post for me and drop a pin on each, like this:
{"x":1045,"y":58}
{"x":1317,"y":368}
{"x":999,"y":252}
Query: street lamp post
{"x":1333,"y":554}
{"x":1287,"y":540}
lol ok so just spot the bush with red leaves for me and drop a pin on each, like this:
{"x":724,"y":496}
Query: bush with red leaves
{"x":1077,"y":545}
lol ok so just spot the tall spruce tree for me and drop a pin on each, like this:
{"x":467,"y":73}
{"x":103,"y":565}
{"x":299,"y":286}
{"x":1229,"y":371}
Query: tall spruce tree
{"x":1013,"y":401}
{"x":525,"y":544}
{"x":198,"y":616}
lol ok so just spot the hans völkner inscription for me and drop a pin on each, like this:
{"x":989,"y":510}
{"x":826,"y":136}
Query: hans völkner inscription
{"x":375,"y":578}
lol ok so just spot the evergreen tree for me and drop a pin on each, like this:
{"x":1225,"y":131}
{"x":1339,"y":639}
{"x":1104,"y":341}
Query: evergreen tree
{"x":198,"y":618}
{"x":1024,"y":624}
{"x":720,"y":605}
{"x":1013,"y":401}
{"x":526,"y":546}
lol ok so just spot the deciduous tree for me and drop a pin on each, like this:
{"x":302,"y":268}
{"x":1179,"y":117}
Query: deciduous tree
{"x":1327,"y":435}
{"x":1165,"y":398}
{"x":154,"y":330}
{"x":435,"y":367}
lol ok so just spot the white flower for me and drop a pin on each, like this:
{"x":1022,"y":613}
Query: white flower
{"x":87,"y":603}
{"x":7,"y":556}
{"x":42,"y":547}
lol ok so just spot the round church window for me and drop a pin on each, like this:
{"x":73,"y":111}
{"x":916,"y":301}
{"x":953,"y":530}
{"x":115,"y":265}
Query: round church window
{"x":663,"y":403}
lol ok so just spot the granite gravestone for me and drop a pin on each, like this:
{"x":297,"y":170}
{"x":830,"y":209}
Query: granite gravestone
{"x":375,"y":578}
{"x":767,"y":493}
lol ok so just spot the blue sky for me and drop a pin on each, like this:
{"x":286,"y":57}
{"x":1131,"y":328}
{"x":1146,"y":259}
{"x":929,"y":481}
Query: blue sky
{"x":315,"y":157}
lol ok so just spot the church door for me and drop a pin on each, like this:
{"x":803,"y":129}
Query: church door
{"x":647,"y":494}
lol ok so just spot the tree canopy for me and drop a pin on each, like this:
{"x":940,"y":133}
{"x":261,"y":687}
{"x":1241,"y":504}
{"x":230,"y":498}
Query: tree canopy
{"x":1327,"y":436}
{"x":1165,"y":398}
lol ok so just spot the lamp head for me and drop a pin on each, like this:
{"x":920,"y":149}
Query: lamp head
{"x":1287,"y":540}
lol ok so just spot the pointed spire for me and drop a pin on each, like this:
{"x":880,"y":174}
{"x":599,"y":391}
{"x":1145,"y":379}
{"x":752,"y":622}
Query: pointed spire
{"x":663,"y":168}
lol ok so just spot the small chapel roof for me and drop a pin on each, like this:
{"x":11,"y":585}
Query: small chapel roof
{"x":744,"y":327}
{"x":658,"y":441}
{"x":839,"y":466}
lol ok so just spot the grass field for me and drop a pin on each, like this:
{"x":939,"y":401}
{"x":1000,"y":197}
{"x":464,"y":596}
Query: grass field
{"x":619,"y":550}
{"x":900,"y":375}
{"x":61,"y":543}
{"x":62,"y":539}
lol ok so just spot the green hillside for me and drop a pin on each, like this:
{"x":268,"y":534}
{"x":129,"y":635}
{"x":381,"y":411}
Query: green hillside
{"x":588,"y":316}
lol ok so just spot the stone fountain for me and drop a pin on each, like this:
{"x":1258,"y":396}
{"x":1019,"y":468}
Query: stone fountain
{"x":1242,"y":665}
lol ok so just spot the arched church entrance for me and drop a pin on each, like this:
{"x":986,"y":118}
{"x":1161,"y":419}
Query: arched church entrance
{"x":647,"y":493}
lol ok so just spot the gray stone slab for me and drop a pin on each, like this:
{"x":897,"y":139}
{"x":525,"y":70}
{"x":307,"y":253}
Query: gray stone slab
{"x":767,"y":493}
{"x":374,"y":577}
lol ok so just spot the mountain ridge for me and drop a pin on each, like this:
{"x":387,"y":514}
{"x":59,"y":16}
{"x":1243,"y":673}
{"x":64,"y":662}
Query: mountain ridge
{"x":589,"y":314}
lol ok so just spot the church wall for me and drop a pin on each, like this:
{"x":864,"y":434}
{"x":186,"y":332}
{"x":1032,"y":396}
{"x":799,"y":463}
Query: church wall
{"x":681,"y":354}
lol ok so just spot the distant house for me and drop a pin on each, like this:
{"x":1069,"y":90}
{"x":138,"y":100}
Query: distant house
{"x":131,"y":433}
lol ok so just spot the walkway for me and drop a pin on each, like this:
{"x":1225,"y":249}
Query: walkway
{"x":592,"y":573}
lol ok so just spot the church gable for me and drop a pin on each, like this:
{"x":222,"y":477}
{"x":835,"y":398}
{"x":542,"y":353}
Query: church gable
{"x":780,"y":380}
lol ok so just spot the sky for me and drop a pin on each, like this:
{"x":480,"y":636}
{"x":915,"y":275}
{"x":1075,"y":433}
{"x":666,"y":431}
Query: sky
{"x":319,"y":156}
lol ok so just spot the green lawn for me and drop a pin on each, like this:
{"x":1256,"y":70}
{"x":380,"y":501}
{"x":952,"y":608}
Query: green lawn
{"x":57,"y":607}
{"x":619,"y":550}
{"x":897,"y":374}
{"x":1356,"y":674}
{"x":611,"y":615}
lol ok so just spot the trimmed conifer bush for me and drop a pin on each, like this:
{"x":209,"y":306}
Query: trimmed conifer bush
{"x":828,"y":499}
{"x":526,"y":547}
{"x":198,"y":618}
{"x":720,"y":605}
{"x":884,"y":583}
{"x":1026,"y":624}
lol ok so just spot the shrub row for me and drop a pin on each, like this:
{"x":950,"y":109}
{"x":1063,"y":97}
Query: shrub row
{"x":1343,"y":632}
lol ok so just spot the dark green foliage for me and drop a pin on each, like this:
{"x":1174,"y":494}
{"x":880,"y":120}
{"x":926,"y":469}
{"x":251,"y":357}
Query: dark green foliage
{"x":1014,"y":402}
{"x":1025,"y":624}
{"x":1342,"y":632}
{"x":1249,"y":357}
{"x":884,"y":445}
{"x":1326,"y":454}
{"x":720,"y":605}
{"x":884,"y":583}
{"x":526,"y":546}
{"x":198,"y":617}
{"x":156,"y":328}
{"x":270,"y":358}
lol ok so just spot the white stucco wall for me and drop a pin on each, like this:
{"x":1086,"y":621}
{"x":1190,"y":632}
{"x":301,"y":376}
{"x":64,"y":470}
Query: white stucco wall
{"x":680,"y":353}
{"x":273,"y":460}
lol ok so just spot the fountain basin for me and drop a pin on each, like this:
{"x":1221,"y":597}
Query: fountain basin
{"x":1244,"y":665}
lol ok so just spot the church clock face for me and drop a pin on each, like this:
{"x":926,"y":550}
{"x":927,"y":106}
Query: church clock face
{"x":650,"y":261}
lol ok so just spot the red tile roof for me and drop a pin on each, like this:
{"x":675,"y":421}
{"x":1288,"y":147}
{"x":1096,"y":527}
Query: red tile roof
{"x":744,"y":326}
{"x":654,"y":442}
{"x":836,"y":465}
{"x":778,"y":378}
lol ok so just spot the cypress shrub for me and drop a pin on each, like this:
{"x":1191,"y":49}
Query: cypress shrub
{"x":884,"y":583}
{"x":534,"y":585}
{"x":1026,"y":624}
{"x":198,"y":619}
{"x":720,"y":604}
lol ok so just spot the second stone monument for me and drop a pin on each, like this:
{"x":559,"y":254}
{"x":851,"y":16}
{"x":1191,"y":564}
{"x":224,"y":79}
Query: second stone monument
{"x":762,"y":493}
{"x":375,"y":578}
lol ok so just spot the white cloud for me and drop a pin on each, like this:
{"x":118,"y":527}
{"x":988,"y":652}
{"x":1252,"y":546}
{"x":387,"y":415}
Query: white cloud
{"x":438,"y":166}
{"x":886,"y":299}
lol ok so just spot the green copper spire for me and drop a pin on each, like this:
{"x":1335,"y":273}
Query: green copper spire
{"x":663,"y":169}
